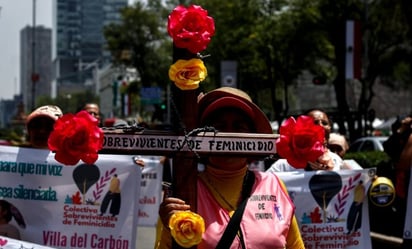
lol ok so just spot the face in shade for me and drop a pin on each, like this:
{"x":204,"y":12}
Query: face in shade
{"x":40,"y":124}
{"x":320,"y":118}
{"x":39,"y":130}
{"x":93,"y":109}
{"x":229,"y":120}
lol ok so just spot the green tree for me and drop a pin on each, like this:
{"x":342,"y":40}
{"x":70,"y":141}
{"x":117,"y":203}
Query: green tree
{"x":386,"y":49}
{"x":274,"y":41}
{"x":140,"y":41}
{"x":290,"y":44}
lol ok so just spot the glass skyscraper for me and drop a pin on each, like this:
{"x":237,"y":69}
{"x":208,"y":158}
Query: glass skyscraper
{"x":79,"y":40}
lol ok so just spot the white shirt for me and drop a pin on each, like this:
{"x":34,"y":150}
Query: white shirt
{"x":282,"y":165}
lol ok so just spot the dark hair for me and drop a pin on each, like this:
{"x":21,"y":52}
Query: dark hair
{"x":319,"y":110}
{"x":83,"y":105}
{"x":6,"y":206}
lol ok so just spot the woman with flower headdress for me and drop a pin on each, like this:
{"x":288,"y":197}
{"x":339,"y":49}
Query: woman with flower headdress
{"x":225,"y":186}
{"x":319,"y":124}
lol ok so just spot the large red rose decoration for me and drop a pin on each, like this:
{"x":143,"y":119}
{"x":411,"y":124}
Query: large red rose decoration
{"x":76,"y":137}
{"x":301,"y":141}
{"x":191,"y":28}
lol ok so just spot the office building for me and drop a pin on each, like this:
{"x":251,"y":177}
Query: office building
{"x":79,"y":41}
{"x":35,"y":64}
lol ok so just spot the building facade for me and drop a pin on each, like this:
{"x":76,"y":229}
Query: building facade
{"x":79,"y":40}
{"x":35,"y":64}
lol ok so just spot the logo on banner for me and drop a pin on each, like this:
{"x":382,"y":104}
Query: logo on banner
{"x":330,"y":210}
{"x":95,"y":204}
{"x":94,"y":196}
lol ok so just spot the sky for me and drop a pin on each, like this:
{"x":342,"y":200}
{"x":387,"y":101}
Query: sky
{"x":14,"y":16}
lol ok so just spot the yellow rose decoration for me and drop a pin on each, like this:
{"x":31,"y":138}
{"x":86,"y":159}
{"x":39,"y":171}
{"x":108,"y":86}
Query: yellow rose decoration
{"x":187,"y":74}
{"x":187,"y":228}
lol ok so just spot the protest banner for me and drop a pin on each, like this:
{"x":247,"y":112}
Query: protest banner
{"x":150,"y":190}
{"x":331,"y":207}
{"x":8,"y":243}
{"x":81,"y":206}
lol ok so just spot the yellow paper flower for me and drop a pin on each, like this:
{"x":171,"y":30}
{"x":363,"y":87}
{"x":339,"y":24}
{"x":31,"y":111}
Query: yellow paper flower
{"x":187,"y":74}
{"x":187,"y":228}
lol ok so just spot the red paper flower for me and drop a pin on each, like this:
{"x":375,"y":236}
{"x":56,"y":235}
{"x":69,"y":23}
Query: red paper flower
{"x":76,"y":137}
{"x":191,"y":28}
{"x":300,"y":141}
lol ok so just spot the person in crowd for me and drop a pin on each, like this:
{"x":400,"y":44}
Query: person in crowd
{"x":394,"y":146}
{"x":328,"y":161}
{"x":39,"y":125}
{"x":399,"y":147}
{"x":404,"y":166}
{"x":222,"y":181}
{"x":93,"y":109}
{"x":7,"y":229}
{"x":338,"y":144}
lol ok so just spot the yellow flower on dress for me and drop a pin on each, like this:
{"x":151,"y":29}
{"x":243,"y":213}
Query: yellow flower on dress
{"x":187,"y":228}
{"x":187,"y":74}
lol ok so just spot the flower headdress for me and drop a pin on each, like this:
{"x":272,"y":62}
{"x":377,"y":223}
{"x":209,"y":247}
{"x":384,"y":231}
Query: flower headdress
{"x":76,"y":137}
{"x":190,"y":28}
{"x":300,"y":141}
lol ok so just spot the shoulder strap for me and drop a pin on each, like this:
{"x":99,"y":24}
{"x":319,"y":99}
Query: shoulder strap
{"x":234,"y":223}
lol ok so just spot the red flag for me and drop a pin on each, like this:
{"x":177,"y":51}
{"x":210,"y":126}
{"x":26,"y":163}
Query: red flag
{"x":353,"y":66}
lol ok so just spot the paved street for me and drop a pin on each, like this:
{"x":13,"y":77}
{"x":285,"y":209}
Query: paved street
{"x":145,"y":237}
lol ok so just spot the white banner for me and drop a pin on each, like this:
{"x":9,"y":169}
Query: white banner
{"x":81,"y":206}
{"x":326,"y":211}
{"x":8,"y":243}
{"x":407,"y":231}
{"x":150,"y":190}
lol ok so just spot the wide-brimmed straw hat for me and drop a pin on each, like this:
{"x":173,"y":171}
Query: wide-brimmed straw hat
{"x":49,"y":111}
{"x":232,"y":97}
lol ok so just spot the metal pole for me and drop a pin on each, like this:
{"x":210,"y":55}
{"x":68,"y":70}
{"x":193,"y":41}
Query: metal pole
{"x":34,"y":76}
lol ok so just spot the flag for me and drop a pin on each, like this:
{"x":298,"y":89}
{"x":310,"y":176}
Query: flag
{"x":353,"y":36}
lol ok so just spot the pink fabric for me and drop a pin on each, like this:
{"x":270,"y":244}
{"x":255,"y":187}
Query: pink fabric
{"x":266,"y":219}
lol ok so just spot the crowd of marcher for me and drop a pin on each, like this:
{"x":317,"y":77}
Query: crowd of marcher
{"x":225,"y":182}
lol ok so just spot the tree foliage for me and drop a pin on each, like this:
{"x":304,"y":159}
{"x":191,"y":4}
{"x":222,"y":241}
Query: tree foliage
{"x":273,"y":42}
{"x":140,"y":41}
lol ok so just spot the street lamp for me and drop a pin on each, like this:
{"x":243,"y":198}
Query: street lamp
{"x":34,"y":76}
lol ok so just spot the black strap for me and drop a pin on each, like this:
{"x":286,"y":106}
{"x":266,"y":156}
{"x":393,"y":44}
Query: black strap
{"x":234,"y":223}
